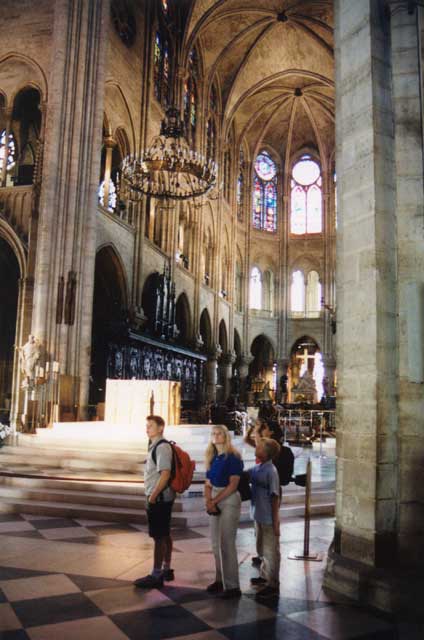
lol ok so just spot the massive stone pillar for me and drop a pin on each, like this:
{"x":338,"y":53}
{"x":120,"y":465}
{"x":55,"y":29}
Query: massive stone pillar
{"x":64,"y":273}
{"x":405,"y":24}
{"x":376,"y":556}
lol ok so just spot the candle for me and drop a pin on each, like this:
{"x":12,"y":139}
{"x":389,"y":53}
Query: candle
{"x":47,"y":367}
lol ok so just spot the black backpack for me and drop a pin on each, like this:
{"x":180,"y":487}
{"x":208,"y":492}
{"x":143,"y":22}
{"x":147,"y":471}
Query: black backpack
{"x":244,"y":486}
{"x":285,"y":465}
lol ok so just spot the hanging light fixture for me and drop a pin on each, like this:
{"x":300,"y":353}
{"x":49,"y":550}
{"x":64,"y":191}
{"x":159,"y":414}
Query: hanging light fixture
{"x":169,"y":168}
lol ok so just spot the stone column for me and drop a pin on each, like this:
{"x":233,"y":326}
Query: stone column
{"x":408,"y":113}
{"x":212,"y":374}
{"x":375,"y":532}
{"x":66,"y":243}
{"x":245,"y":361}
{"x":282,"y":369}
{"x":226,"y":370}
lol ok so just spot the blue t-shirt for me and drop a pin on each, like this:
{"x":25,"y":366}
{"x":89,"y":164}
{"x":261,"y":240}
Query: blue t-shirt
{"x":222,"y":467}
{"x":265,"y":484}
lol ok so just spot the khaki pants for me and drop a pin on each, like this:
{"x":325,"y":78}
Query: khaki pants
{"x":223,"y":535}
{"x":269,"y":546}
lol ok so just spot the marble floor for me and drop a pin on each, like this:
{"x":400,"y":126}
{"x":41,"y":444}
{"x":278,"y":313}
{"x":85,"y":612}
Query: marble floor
{"x":72,"y":579}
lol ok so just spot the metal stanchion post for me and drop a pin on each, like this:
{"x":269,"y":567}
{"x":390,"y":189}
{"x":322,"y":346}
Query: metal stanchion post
{"x":306,"y":555}
{"x":321,"y":455}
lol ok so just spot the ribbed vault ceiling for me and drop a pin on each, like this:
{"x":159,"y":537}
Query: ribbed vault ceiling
{"x":274,"y":63}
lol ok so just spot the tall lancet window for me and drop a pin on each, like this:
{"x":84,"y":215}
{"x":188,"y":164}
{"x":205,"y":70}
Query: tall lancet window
{"x":306,"y":197}
{"x":255,"y":289}
{"x":211,"y":124}
{"x":240,"y":186}
{"x":264,"y":214}
{"x":7,"y":150}
{"x":161,"y":67}
{"x":191,"y":97}
{"x":297,"y":291}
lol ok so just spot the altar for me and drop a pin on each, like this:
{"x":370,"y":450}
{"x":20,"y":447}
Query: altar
{"x":129,"y":402}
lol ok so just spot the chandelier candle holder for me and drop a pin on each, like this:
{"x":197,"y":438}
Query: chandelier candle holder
{"x":169,"y":168}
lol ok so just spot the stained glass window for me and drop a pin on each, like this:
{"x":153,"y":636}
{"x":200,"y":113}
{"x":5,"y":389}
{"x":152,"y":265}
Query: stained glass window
{"x":257,"y":203}
{"x":161,"y":68}
{"x":213,"y":101}
{"x":240,"y":185}
{"x":270,"y":207}
{"x":10,"y":152}
{"x":265,"y":167}
{"x":306,"y":197}
{"x":158,"y":56}
{"x":265,"y":193}
{"x":210,"y":139}
{"x":165,"y":6}
{"x":190,"y":97}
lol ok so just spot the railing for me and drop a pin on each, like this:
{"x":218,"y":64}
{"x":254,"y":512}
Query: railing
{"x":15,"y":207}
{"x":126,"y":214}
{"x":301,"y":426}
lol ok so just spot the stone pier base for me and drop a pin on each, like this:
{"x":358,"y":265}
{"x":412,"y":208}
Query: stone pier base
{"x":395,"y":591}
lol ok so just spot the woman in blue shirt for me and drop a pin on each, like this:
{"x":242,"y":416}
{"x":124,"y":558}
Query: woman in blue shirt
{"x":223,"y":469}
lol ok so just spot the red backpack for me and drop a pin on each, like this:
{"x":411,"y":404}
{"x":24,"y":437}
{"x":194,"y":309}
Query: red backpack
{"x":182,"y":467}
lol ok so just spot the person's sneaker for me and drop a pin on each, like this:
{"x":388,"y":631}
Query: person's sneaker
{"x":268,"y":592}
{"x":149,"y":582}
{"x":230,"y":593}
{"x":215,"y":587}
{"x":168,"y":575}
{"x":257,"y":581}
{"x":256,"y":561}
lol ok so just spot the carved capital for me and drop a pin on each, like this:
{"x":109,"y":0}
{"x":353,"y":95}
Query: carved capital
{"x":229,"y":358}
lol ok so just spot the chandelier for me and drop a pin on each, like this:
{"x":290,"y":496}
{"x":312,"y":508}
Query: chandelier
{"x":169,"y":168}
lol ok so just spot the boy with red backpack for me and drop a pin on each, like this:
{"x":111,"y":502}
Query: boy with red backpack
{"x":168,"y":470}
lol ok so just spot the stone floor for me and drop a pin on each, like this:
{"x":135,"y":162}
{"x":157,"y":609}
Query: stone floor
{"x":72,"y":579}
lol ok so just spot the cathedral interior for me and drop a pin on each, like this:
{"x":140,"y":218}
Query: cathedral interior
{"x":226,"y":194}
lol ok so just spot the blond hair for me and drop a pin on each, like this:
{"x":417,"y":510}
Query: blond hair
{"x":228,"y":447}
{"x":272,"y":448}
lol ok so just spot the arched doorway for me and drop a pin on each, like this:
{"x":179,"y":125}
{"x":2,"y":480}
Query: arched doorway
{"x":148,"y":301}
{"x":109,"y":305}
{"x":262,"y":367}
{"x":237,"y":348}
{"x":205,"y":330}
{"x":9,"y":291}
{"x":183,"y":320}
{"x":223,"y":337}
{"x":306,"y":355}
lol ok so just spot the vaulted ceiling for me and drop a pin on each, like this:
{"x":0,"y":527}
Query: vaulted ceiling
{"x":273,"y":60}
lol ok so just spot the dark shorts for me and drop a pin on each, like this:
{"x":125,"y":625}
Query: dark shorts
{"x":159,"y":519}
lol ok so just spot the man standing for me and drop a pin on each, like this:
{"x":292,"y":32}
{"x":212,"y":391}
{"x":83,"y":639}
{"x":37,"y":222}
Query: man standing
{"x":160,"y":499}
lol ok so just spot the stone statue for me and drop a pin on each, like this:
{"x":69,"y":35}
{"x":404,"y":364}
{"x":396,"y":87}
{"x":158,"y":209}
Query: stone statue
{"x":305,"y":387}
{"x":30,"y":354}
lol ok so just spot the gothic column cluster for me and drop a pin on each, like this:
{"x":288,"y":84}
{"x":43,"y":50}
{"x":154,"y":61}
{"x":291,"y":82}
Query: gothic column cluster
{"x":67,"y":224}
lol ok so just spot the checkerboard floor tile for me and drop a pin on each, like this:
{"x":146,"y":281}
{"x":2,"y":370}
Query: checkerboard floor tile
{"x":93,"y":602}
